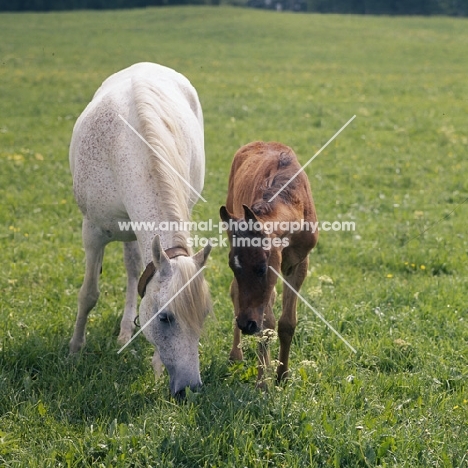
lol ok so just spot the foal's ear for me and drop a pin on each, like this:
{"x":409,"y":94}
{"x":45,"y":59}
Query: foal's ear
{"x":225,"y":215}
{"x":249,"y":214}
{"x":160,"y":259}
{"x":200,"y":257}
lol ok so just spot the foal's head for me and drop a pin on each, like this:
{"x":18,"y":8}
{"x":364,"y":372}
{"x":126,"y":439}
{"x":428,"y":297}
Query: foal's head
{"x":252,"y":252}
{"x":176,"y":300}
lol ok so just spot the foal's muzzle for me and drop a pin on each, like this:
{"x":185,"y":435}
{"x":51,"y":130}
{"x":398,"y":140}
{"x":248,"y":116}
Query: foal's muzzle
{"x":249,"y":327}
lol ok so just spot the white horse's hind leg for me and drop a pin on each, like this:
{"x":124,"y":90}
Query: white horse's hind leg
{"x":89,"y":292}
{"x":133,"y":264}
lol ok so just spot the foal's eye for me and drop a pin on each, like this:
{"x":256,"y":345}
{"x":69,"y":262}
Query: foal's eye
{"x":260,"y":270}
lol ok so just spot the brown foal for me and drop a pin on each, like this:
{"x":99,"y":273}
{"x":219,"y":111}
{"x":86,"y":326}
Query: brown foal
{"x":263,"y":234}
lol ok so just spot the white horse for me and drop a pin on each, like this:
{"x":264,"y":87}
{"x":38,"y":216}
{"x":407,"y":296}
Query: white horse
{"x":137,"y":154}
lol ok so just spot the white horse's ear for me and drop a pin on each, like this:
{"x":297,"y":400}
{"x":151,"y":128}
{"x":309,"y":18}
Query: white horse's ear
{"x":200,"y":257}
{"x":160,"y":259}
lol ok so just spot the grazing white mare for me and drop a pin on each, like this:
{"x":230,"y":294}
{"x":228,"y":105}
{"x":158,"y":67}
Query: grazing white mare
{"x":117,"y":177}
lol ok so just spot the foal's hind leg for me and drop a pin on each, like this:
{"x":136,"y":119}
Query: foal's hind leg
{"x":288,"y":320}
{"x":133,"y":264}
{"x":94,"y":244}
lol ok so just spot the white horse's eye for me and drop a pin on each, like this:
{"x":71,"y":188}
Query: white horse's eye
{"x":166,"y":317}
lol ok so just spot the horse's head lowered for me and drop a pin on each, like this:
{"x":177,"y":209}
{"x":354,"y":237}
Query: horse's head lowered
{"x":176,"y":300}
{"x":250,"y":256}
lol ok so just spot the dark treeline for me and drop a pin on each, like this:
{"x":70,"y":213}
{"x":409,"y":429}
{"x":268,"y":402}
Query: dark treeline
{"x":376,"y":7}
{"x":391,"y":7}
{"x":60,"y":5}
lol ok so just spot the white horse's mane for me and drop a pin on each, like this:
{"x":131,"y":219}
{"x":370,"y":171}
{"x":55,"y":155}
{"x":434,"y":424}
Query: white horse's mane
{"x":192,"y":305}
{"x":162,"y":129}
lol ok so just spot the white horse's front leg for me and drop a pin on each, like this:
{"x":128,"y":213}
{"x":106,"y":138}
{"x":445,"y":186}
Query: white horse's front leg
{"x":158,"y":366}
{"x":89,"y":292}
{"x":133,"y":264}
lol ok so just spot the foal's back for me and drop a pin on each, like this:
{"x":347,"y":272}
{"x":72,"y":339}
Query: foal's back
{"x":259,"y":171}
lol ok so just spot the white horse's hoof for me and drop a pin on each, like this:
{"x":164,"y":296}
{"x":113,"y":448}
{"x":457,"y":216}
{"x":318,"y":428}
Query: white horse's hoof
{"x":75,"y":346}
{"x":124,"y":337}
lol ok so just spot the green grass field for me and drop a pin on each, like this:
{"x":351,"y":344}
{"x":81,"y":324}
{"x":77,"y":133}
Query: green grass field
{"x":396,"y":288}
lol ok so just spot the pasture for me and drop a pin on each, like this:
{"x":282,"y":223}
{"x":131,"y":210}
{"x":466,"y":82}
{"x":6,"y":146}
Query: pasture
{"x":395,"y":288}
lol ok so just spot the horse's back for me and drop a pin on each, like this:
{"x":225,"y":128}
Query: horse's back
{"x":167,"y":79}
{"x":116,"y":97}
{"x":259,"y":170}
{"x":136,"y":112}
{"x":261,"y":150}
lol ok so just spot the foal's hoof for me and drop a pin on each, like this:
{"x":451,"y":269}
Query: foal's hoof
{"x":261,"y":385}
{"x":282,"y":375}
{"x":236,"y":355}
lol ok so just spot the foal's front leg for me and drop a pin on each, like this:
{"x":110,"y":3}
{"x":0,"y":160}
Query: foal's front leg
{"x":236,"y":352}
{"x":288,"y":320}
{"x":94,"y":244}
{"x":133,"y":265}
{"x":263,"y":351}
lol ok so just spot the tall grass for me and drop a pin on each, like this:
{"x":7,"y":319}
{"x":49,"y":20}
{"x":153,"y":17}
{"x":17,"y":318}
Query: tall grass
{"x":395,"y":288}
